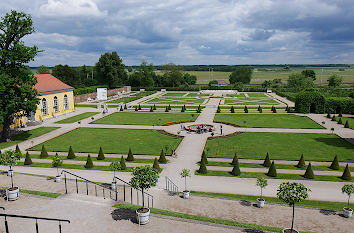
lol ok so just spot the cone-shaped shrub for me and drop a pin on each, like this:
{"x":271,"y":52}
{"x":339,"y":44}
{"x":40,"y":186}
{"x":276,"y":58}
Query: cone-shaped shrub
{"x":18,"y":151}
{"x":333,"y":118}
{"x":232,"y":109}
{"x":125,"y":106}
{"x":234,"y":160}
{"x":121,"y":108}
{"x":260,"y":110}
{"x":267,"y":162}
{"x":154,"y":107}
{"x":156,"y":165}
{"x":272,"y":172}
{"x":259,"y":107}
{"x":236,"y":170}
{"x":199,"y":109}
{"x":162,"y":158}
{"x":122,"y":163}
{"x":151,"y":109}
{"x":202,"y":168}
{"x":166,"y":110}
{"x":44,"y":153}
{"x":301,"y":162}
{"x":136,"y":108}
{"x":28,"y":160}
{"x":71,"y":153}
{"x":245,"y":109}
{"x":204,"y":158}
{"x":139,"y":107}
{"x":309,"y":172}
{"x":340,"y":114}
{"x":130,"y":155}
{"x":340,"y":121}
{"x":218,"y":110}
{"x":89,"y":163}
{"x":274,"y":110}
{"x":182,"y":109}
{"x":100,"y":154}
{"x":334,"y":164}
{"x":346,"y":125}
{"x":346,"y":174}
{"x":169,"y":107}
{"x":287,"y":108}
{"x":328,"y":115}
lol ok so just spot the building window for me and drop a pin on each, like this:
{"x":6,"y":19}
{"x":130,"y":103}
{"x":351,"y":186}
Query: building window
{"x":55,"y":104}
{"x":66,"y":102}
{"x":44,"y":107}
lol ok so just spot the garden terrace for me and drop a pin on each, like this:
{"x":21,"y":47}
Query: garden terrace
{"x":77,"y":117}
{"x":176,"y":101}
{"x":251,"y":101}
{"x":132,"y":97}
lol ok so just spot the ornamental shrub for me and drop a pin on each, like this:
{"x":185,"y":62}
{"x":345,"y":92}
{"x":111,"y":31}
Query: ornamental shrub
{"x":272,"y":172}
{"x":310,"y":101}
{"x":44,"y":153}
{"x":18,"y":151}
{"x":333,"y":118}
{"x":346,"y":174}
{"x":130,"y":156}
{"x":235,"y":159}
{"x":301,"y":162}
{"x":182,"y":109}
{"x":136,"y":108}
{"x":340,"y":121}
{"x":89,"y":163}
{"x":204,"y":158}
{"x":28,"y":160}
{"x":267,"y":162}
{"x":122,"y":163}
{"x":100,"y":154}
{"x":139,"y":107}
{"x":121,"y":108}
{"x":151,"y":109}
{"x":156,"y":165}
{"x":154,"y":108}
{"x":232,"y":110}
{"x":346,"y":125}
{"x":218,"y":110}
{"x":328,"y":115}
{"x":71,"y":154}
{"x":274,"y":110}
{"x":334,"y":164}
{"x":259,"y":107}
{"x":236,"y":169}
{"x":260,"y":110}
{"x":245,"y":109}
{"x":125,"y":106}
{"x":199,"y":109}
{"x":340,"y":114}
{"x":162,"y":158}
{"x":169,"y":107}
{"x":309,"y":172}
{"x":202,"y":168}
{"x":166,"y":110}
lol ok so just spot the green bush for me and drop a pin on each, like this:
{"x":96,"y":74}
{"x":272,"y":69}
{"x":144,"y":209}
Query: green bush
{"x":328,"y":115}
{"x":301,"y":162}
{"x":346,"y":174}
{"x":89,"y":163}
{"x":199,"y":109}
{"x":139,"y":107}
{"x":202,"y":168}
{"x":100,"y":155}
{"x":122,"y":163}
{"x":169,"y":107}
{"x":28,"y":160}
{"x":232,"y":109}
{"x":340,"y":105}
{"x":346,"y":125}
{"x":334,"y":164}
{"x":162,"y":158}
{"x":182,"y":109}
{"x":44,"y":153}
{"x":204,"y":158}
{"x":272,"y":172}
{"x":121,"y":108}
{"x":18,"y":151}
{"x":274,"y":110}
{"x":340,"y":121}
{"x":245,"y":109}
{"x":71,"y":154}
{"x":267,"y":162}
{"x":151,"y":109}
{"x":259,"y":107}
{"x":136,"y":108}
{"x":218,"y":110}
{"x":236,"y":169}
{"x":333,"y":118}
{"x":234,"y":159}
{"x":310,"y":102}
{"x":166,"y":110}
{"x":156,"y":165}
{"x":309,"y":172}
{"x":260,"y":110}
{"x":340,"y":114}
{"x":154,"y":108}
{"x":125,"y":106}
{"x":130,"y":156}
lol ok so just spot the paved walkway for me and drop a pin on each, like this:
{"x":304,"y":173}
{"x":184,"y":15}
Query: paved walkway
{"x":282,"y":99}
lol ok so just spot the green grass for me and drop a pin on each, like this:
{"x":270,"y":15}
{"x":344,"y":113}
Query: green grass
{"x":27,"y":135}
{"x":257,"y":94}
{"x":251,"y":101}
{"x":236,"y":95}
{"x":113,"y":141}
{"x":86,"y":105}
{"x":74,"y":166}
{"x":175,"y":94}
{"x":268,"y":121}
{"x":279,"y":176}
{"x":201,"y":218}
{"x":77,"y":117}
{"x":138,"y":118}
{"x":282,"y":146}
{"x":171,"y":100}
{"x":349,"y":119}
{"x":38,"y":193}
{"x":196,"y":94}
{"x":132,"y":97}
{"x":327,"y":205}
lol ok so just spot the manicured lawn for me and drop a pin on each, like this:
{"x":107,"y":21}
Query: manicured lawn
{"x":349,"y":119}
{"x":236,"y":95}
{"x":27,"y":135}
{"x":132,"y":97}
{"x":286,"y":146}
{"x":257,"y":94}
{"x":75,"y":166}
{"x":268,"y":121}
{"x":77,"y":117}
{"x":114,"y":141}
{"x":139,"y":118}
{"x":171,"y":100}
{"x":175,"y":94}
{"x":251,"y":101}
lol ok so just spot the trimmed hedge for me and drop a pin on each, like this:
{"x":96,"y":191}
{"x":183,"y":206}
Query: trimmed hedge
{"x":89,"y":163}
{"x":162,"y":158}
{"x":236,"y":169}
{"x":346,"y":174}
{"x":100,"y":154}
{"x":122,"y":163}
{"x":203,"y":168}
{"x":28,"y":160}
{"x":272,"y":172}
{"x":301,"y":162}
{"x":334,"y":164}
{"x":71,"y":154}
{"x":267,"y":162}
{"x":130,"y":156}
{"x":310,"y":102}
{"x":309,"y":172}
{"x":44,"y":153}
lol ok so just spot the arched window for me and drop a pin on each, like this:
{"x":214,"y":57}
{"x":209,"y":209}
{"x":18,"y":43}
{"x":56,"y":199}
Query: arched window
{"x":66,"y":102}
{"x":44,"y":107}
{"x":55,"y":104}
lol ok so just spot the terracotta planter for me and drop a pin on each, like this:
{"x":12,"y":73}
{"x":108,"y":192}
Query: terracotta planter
{"x":260,"y":202}
{"x":12,"y":194}
{"x":143,"y":215}
{"x":58,"y":179}
{"x":114,"y":186}
{"x":347,"y":212}
{"x":287,"y":230}
{"x":186,"y":194}
{"x":10,"y":173}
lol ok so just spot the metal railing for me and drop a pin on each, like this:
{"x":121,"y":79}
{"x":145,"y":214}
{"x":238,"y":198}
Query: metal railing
{"x":96,"y":185}
{"x":30,"y":217}
{"x":170,"y":186}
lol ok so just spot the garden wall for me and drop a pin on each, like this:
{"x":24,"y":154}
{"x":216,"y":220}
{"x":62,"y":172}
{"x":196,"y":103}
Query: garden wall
{"x":84,"y":97}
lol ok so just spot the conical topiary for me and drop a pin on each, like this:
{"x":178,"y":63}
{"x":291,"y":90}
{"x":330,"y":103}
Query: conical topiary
{"x":166,"y":110}
{"x":44,"y":153}
{"x":121,"y":108}
{"x":218,"y":110}
{"x":139,"y":107}
{"x":122,"y":163}
{"x":267,"y":162}
{"x":202,"y":168}
{"x":156,"y":165}
{"x":272,"y":172}
{"x":204,"y":158}
{"x":154,"y":108}
{"x":334,"y":164}
{"x":130,"y":155}
{"x":151,"y":109}
{"x":182,"y":109}
{"x":199,"y":109}
{"x":125,"y":106}
{"x":301,"y":162}
{"x":260,"y":110}
{"x":28,"y":160}
{"x":309,"y":173}
{"x":18,"y":151}
{"x":346,"y":125}
{"x":71,"y":154}
{"x":346,"y":174}
{"x":259,"y":107}
{"x":274,"y":110}
{"x":328,"y":115}
{"x":234,"y":160}
{"x":333,"y":118}
{"x":232,"y":109}
{"x":162,"y":158}
{"x":89,"y":163}
{"x":169,"y":107}
{"x":340,"y":121}
{"x":245,"y":109}
{"x":340,"y":114}
{"x":236,"y":170}
{"x":136,"y":108}
{"x":100,"y":154}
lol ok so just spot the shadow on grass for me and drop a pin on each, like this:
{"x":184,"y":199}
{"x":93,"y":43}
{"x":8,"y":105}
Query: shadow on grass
{"x":336,"y":142}
{"x":124,"y":214}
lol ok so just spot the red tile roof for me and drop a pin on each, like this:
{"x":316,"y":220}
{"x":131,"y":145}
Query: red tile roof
{"x":47,"y":83}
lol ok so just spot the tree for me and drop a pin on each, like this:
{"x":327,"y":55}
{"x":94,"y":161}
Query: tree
{"x":334,"y":164}
{"x":18,"y":151}
{"x":144,"y":178}
{"x":17,"y":96}
{"x":156,"y":165}
{"x":309,"y":172}
{"x":212,"y":83}
{"x":262,"y":183}
{"x":110,"y":70}
{"x":346,"y":125}
{"x":301,"y":162}
{"x":89,"y":163}
{"x":232,"y":109}
{"x":349,"y":190}
{"x":43,"y":70}
{"x":309,"y":73}
{"x":115,"y":166}
{"x":143,"y":76}
{"x":272,"y":172}
{"x":28,"y":160}
{"x":44,"y":153}
{"x":173,"y":76}
{"x":189,"y":79}
{"x":346,"y":174}
{"x":130,"y":156}
{"x":241,"y":74}
{"x":235,"y":159}
{"x":9,"y":158}
{"x":299,"y":81}
{"x":204,"y":158}
{"x":236,"y":169}
{"x":67,"y":74}
{"x":334,"y":81}
{"x":267,"y":162}
{"x":71,"y":154}
{"x":162,"y":158}
{"x":184,"y":174}
{"x":202,"y":168}
{"x":122,"y":163}
{"x":292,"y":193}
{"x":57,"y":162}
{"x":100,"y":154}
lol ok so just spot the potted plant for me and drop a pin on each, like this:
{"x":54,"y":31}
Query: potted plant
{"x":349,"y":190}
{"x":10,"y":158}
{"x":115,"y":166}
{"x":144,"y":178}
{"x":292,"y":193}
{"x":262,"y":183}
{"x":184,"y":174}
{"x":57,"y":162}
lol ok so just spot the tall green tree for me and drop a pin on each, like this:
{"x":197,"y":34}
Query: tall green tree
{"x":309,"y":73}
{"x":173,"y":76}
{"x":143,"y":76}
{"x":43,"y":70}
{"x":300,"y":81}
{"x":334,"y":81}
{"x":242,"y":74}
{"x":17,"y":97}
{"x":67,"y":74}
{"x":110,"y":70}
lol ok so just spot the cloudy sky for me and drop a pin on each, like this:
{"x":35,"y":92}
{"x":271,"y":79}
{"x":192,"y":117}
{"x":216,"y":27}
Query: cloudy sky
{"x":77,"y":32}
